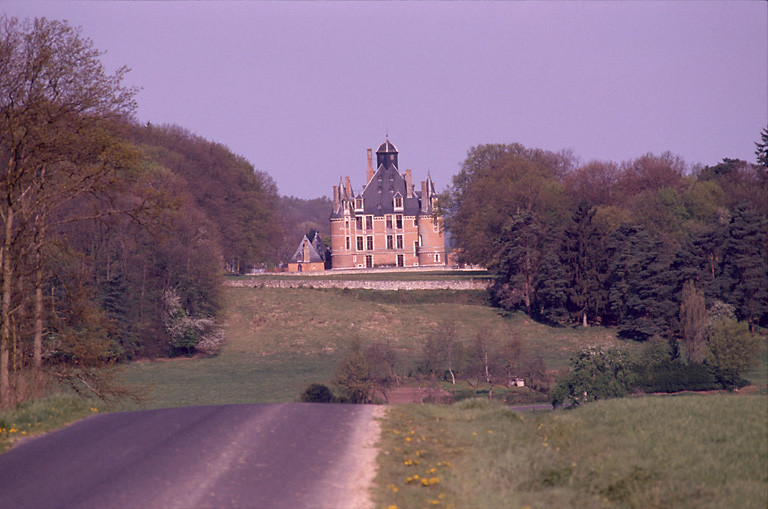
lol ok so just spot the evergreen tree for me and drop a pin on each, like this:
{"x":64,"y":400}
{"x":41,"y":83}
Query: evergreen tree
{"x":516,"y":260}
{"x":640,"y":286}
{"x":743,"y":280}
{"x":581,"y":255}
{"x":552,"y":289}
{"x":761,"y":150}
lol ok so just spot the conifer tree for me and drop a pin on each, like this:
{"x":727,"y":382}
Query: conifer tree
{"x":743,"y":281}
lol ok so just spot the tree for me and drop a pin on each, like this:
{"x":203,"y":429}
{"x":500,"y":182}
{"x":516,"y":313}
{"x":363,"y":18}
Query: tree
{"x":516,"y":261}
{"x":239,"y":201}
{"x":482,"y":363}
{"x":57,"y":106}
{"x":693,"y":321}
{"x":743,"y":279}
{"x":495,"y":183}
{"x":732,"y":350}
{"x":581,"y":254}
{"x":442,"y":350}
{"x":761,"y":148}
{"x":353,"y":375}
{"x":640,"y":284}
{"x":597,"y":372}
{"x":595,"y":182}
{"x":381,"y":359}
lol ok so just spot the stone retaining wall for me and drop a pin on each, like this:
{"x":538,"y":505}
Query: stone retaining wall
{"x":469,"y":284}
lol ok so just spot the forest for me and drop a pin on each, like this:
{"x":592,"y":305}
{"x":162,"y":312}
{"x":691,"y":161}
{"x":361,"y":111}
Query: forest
{"x":654,"y":247}
{"x":116,"y":235}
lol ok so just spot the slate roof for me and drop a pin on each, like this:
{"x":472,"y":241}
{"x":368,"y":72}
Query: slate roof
{"x":314,"y":256}
{"x":387,"y":182}
{"x":387,"y":146}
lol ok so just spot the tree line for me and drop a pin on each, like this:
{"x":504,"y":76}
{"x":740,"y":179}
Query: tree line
{"x":115,"y":236}
{"x":611,"y":243}
{"x":653,"y":246}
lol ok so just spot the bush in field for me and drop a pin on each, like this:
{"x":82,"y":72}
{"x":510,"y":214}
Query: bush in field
{"x":353,"y":375}
{"x":597,"y":372}
{"x":732,"y":350}
{"x":317,"y":393}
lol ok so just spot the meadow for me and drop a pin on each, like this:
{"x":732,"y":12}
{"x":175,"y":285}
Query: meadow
{"x":688,"y":451}
{"x":674,"y":451}
{"x":281,"y":340}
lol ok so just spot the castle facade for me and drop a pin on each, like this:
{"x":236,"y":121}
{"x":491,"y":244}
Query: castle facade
{"x":389,"y":223}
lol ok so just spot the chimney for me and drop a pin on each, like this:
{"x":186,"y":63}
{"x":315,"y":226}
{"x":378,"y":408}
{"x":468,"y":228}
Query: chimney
{"x":424,"y":197}
{"x":369,"y":172}
{"x":336,"y":199}
{"x":347,"y":188}
{"x":408,"y":184}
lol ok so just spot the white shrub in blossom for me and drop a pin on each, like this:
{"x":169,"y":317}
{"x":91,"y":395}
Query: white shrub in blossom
{"x":188,"y":333}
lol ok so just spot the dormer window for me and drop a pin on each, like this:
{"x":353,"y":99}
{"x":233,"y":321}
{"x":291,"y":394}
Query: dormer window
{"x":358,"y":204}
{"x":398,"y":202}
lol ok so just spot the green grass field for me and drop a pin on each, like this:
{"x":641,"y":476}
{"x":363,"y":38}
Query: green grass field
{"x":281,"y":340}
{"x":680,"y":451}
{"x":675,"y":451}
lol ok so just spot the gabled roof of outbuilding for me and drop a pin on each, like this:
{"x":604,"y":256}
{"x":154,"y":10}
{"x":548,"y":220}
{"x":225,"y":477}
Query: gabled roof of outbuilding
{"x":298,"y":256}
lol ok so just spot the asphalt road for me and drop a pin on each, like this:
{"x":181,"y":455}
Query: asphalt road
{"x":288,"y":455}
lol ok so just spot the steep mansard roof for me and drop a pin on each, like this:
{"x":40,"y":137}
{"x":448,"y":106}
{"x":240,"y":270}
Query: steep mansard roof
{"x":379,"y":194}
{"x":387,"y":182}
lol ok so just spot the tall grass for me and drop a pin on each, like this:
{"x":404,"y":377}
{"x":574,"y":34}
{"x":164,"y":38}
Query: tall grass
{"x":685,"y":451}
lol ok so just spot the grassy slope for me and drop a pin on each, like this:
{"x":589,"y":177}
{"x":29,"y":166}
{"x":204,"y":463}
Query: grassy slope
{"x":684,"y":451}
{"x":280,"y":340}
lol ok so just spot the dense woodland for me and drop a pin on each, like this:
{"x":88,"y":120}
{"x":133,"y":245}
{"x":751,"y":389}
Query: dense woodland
{"x":612,"y":243}
{"x":115,"y":235}
{"x":654,"y":247}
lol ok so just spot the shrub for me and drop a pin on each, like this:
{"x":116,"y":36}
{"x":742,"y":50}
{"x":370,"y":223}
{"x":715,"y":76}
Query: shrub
{"x":317,"y":393}
{"x":598,"y":372}
{"x":675,"y":376}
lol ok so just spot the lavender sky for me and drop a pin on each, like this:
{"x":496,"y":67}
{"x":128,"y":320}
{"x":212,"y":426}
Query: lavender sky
{"x":301,"y":90}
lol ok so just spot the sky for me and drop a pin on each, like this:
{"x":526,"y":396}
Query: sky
{"x":301,"y":90}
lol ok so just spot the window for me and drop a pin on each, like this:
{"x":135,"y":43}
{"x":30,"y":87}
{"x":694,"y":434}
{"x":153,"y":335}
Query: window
{"x":369,"y":261}
{"x":398,"y":202}
{"x":389,"y":222}
{"x":415,"y":248}
{"x":369,"y":222}
{"x":359,"y":243}
{"x":435,"y":227}
{"x":369,"y":242}
{"x":399,"y":221}
{"x":399,"y":242}
{"x":347,"y":239}
{"x":346,"y":225}
{"x":400,"y":260}
{"x":358,"y":204}
{"x":437,"y":258}
{"x":359,"y":222}
{"x":390,"y":244}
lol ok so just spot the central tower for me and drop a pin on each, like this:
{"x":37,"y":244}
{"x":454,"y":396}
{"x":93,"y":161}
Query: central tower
{"x":386,"y":155}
